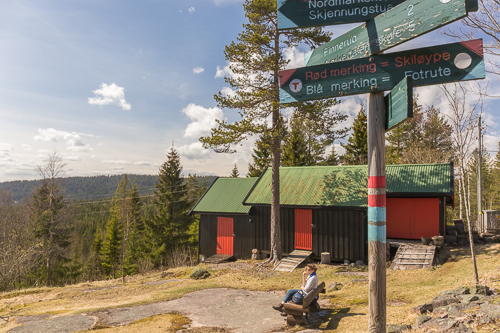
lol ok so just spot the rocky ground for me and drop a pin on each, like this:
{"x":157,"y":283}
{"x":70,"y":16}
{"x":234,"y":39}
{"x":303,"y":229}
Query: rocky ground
{"x":462,"y":310}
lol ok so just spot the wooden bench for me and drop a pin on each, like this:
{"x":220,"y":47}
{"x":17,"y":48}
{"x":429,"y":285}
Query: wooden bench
{"x":297,"y":314}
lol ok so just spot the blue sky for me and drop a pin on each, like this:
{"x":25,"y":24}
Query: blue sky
{"x":112,"y":84}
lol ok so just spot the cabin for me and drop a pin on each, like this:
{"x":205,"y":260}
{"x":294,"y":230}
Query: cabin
{"x":225,"y":225}
{"x":323,"y":209}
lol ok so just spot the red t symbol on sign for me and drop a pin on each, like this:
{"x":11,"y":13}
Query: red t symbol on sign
{"x":295,"y":85}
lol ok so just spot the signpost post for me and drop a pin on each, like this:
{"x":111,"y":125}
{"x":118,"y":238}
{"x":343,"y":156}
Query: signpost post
{"x":406,"y":21}
{"x":426,"y":66}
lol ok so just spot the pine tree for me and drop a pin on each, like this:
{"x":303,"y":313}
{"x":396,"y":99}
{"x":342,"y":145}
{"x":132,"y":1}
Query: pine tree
{"x":256,"y":58}
{"x":111,"y":247}
{"x":117,"y":228}
{"x":332,"y":158}
{"x":50,"y":227}
{"x":234,"y":172}
{"x":167,"y":228}
{"x":356,"y":149}
{"x":295,"y":149}
{"x":134,"y":245}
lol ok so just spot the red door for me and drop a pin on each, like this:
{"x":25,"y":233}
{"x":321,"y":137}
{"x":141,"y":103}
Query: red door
{"x":412,"y":218}
{"x":225,"y":229}
{"x":303,"y":229}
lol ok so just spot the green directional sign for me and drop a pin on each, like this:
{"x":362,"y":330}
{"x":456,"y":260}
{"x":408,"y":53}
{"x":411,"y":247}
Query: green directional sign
{"x":399,"y":103}
{"x":426,"y":66}
{"x":313,"y":13}
{"x":408,"y":20}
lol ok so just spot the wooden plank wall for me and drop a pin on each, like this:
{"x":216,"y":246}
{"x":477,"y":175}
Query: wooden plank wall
{"x":243,"y":230}
{"x":341,"y":232}
{"x":261,"y":218}
{"x":243,"y":242}
{"x":208,"y":235}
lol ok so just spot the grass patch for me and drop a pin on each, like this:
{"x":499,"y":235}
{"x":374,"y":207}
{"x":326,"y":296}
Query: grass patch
{"x":348,"y":306}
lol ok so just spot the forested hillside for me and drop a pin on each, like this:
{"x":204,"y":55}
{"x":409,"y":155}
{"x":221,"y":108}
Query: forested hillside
{"x":85,"y":188}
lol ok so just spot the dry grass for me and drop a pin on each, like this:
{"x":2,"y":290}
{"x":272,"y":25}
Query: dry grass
{"x":405,"y":289}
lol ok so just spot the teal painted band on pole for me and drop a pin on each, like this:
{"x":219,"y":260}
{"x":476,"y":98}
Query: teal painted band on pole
{"x":377,"y":233}
{"x":376,"y":214}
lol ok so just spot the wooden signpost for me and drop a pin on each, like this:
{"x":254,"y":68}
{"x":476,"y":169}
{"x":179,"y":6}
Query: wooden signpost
{"x":406,"y":21}
{"x":399,"y":103}
{"x":349,"y":65}
{"x":313,"y":13}
{"x":426,"y":66}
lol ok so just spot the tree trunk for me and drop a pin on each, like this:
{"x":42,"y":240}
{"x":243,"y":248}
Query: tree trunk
{"x":469,"y":224}
{"x":275,"y":164}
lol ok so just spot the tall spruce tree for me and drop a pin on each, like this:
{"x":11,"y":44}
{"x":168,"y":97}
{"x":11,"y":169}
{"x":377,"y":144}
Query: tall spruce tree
{"x":50,"y":227}
{"x":235,"y":173}
{"x":332,"y":158}
{"x":167,"y":227}
{"x":256,"y":59}
{"x":356,"y":149}
{"x":113,"y":247}
{"x":134,"y":231}
{"x":295,"y":149}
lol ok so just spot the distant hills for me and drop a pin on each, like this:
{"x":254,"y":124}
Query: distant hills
{"x":85,"y":188}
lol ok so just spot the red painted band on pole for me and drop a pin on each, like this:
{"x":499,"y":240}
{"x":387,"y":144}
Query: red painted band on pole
{"x":378,"y":200}
{"x":376,"y":182}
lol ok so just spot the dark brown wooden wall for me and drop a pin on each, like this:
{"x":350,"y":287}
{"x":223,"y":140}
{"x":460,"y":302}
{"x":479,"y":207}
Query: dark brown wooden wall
{"x":208,"y":235}
{"x":261,"y":219}
{"x":243,"y":231}
{"x":341,"y":232}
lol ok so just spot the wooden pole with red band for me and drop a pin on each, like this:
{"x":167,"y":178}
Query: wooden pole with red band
{"x":376,"y":213}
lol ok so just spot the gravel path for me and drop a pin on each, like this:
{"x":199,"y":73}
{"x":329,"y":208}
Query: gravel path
{"x":238,"y":310}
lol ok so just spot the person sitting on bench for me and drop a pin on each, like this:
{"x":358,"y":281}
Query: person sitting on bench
{"x":308,"y":283}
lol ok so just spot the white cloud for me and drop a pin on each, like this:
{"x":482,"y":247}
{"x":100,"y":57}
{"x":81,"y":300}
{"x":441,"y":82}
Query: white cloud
{"x":191,"y":9}
{"x":143,"y":163}
{"x":74,"y":140}
{"x":109,"y":95}
{"x":74,"y":158}
{"x":226,"y":2}
{"x":226,"y":91}
{"x":94,"y":157}
{"x":44,"y":151}
{"x":222,"y":72}
{"x":295,"y":57}
{"x":195,"y":151}
{"x":79,"y":148}
{"x":203,"y":119}
{"x":27,"y":147}
{"x":6,"y":147}
{"x":117,"y":168}
{"x":198,"y":70}
{"x":116,"y":162}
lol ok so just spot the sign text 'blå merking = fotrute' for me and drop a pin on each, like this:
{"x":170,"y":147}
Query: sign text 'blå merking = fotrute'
{"x":425,"y":66}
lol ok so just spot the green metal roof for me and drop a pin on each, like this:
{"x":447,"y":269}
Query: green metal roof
{"x":225,"y":196}
{"x":347,"y":185}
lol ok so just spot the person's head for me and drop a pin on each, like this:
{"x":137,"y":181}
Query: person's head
{"x":311,"y":268}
